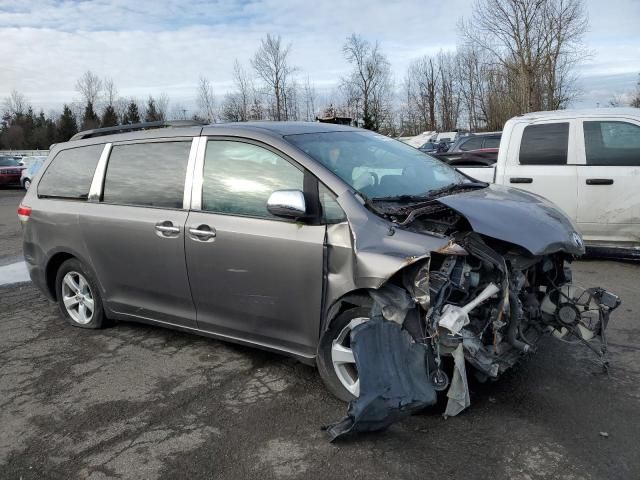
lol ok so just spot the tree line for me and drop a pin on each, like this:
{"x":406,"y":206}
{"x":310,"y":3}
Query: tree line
{"x":513,"y":57}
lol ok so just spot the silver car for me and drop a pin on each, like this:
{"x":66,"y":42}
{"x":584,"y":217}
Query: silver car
{"x":287,"y":236}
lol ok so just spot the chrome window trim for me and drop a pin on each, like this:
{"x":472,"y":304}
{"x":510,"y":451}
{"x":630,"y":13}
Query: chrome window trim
{"x":196,"y":188}
{"x":188,"y":180}
{"x":95,"y":190}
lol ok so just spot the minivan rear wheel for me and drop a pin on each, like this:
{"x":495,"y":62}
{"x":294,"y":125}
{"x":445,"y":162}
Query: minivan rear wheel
{"x":78,"y":295}
{"x":335,"y":360}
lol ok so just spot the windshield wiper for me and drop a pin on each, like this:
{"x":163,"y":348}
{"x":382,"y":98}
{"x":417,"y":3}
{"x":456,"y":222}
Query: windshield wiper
{"x":456,"y":186}
{"x":401,"y":198}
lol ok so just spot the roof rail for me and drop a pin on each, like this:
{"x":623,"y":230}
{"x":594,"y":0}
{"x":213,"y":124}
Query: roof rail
{"x":98,"y":132}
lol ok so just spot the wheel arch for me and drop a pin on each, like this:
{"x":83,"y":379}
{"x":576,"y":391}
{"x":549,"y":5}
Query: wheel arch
{"x":51,"y":270}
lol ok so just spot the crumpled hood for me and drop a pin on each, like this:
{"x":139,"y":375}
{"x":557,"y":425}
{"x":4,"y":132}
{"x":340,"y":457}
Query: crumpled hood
{"x":517,"y":217}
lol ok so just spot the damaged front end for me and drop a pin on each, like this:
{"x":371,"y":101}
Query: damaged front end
{"x":482,"y":301}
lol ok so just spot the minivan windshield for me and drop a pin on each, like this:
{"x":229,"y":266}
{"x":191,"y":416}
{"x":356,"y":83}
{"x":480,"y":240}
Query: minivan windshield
{"x":378,"y":166}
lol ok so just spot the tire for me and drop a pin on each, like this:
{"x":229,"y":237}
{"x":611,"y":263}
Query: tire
{"x":336,"y":374}
{"x":76,"y":284}
{"x":26,"y":184}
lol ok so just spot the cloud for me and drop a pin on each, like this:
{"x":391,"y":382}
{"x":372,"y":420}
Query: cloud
{"x":149,"y":47}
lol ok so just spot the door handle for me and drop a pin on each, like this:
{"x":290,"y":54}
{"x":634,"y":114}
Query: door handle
{"x":202,"y":233}
{"x":167,"y":229}
{"x":520,"y":180}
{"x":599,"y":181}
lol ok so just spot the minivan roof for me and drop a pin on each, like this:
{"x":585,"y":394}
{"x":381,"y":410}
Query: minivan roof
{"x":155,"y":129}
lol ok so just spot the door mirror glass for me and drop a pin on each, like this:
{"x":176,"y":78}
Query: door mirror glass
{"x":287,"y":203}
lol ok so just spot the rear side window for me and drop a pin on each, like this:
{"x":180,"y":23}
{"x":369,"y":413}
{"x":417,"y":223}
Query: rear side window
{"x":70,"y":173}
{"x":474,"y":143}
{"x":240,"y":177}
{"x":491,"y":142}
{"x":147,"y":174}
{"x":545,"y":144}
{"x":612,"y":143}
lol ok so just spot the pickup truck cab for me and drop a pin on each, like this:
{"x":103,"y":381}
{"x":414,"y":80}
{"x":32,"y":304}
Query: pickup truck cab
{"x":587,"y":162}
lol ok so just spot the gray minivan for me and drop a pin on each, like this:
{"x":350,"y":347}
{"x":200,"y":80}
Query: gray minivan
{"x":286,"y":236}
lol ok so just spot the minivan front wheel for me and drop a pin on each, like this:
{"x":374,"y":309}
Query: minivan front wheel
{"x":336,"y":363}
{"x":78,"y":295}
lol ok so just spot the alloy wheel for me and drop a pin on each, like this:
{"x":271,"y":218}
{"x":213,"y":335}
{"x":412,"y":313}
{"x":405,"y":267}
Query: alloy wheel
{"x":78,"y":298}
{"x":344,"y":363}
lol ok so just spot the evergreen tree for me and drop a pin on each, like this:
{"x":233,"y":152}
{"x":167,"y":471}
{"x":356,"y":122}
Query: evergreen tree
{"x":28,"y":124}
{"x":109,"y":117}
{"x":90,"y":118}
{"x":131,"y":115}
{"x":67,"y":126}
{"x":152,"y":115}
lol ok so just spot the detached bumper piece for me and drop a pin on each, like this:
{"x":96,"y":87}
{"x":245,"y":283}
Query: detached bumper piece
{"x":394,"y":378}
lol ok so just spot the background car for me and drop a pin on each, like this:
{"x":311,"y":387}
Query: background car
{"x":10,"y":171}
{"x":476,"y":141}
{"x":33,"y":167}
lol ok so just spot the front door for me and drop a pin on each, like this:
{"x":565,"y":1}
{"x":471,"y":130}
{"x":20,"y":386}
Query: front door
{"x":253,"y":276}
{"x":135,"y":234}
{"x":543,"y":162}
{"x":608,"y":180}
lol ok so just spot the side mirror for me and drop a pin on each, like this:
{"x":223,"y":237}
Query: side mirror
{"x":287,"y":203}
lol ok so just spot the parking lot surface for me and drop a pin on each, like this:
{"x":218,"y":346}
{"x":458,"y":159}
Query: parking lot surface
{"x":134,"y":401}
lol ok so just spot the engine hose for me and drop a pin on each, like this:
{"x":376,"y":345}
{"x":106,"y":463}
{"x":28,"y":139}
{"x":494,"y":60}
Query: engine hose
{"x":515,"y":316}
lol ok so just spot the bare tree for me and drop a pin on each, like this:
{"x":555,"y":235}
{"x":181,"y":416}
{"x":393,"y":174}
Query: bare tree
{"x":16,"y":103}
{"x":162,"y":105}
{"x":535,"y":43}
{"x":448,"y":90}
{"x":635,"y":99}
{"x":110,"y":91}
{"x":309,"y":95}
{"x":206,"y":100}
{"x":270,"y":63}
{"x":421,"y":83}
{"x":245,"y":90}
{"x":90,"y":87}
{"x":369,"y":84}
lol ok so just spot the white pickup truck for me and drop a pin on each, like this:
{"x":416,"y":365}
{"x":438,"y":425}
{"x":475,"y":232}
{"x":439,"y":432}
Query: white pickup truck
{"x":585,"y":161}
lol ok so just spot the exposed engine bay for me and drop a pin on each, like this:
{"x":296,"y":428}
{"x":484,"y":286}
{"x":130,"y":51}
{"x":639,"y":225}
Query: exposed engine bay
{"x":484,"y":302}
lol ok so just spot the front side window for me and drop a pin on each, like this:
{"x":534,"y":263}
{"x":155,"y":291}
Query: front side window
{"x":331,"y":211}
{"x":70,"y":173}
{"x":238,"y":178}
{"x":545,"y":144}
{"x":147,"y":174}
{"x":612,"y":143}
{"x":377,"y":166}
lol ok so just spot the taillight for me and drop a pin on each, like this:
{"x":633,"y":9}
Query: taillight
{"x":24,"y":212}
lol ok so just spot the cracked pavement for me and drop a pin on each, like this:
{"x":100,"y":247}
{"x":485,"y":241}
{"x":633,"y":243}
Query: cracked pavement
{"x":134,"y":401}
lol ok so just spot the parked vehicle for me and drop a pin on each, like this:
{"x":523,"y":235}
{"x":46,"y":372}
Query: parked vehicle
{"x":587,"y":162}
{"x":428,"y":147}
{"x":290,"y":236}
{"x":10,"y":171}
{"x":33,"y":165}
{"x":476,"y":141}
{"x":472,"y":158}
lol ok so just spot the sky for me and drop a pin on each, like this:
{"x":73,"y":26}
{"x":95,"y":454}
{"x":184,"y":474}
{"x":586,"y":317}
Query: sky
{"x":154,"y":47}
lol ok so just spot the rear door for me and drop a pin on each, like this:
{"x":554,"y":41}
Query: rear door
{"x":608,"y":182}
{"x":541,"y":159}
{"x":134,"y":230}
{"x":253,"y":276}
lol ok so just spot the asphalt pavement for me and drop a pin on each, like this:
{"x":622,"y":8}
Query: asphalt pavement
{"x":134,"y":401}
